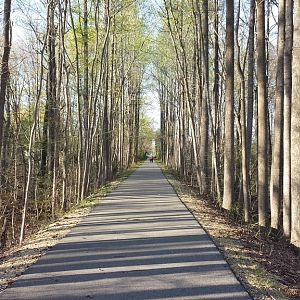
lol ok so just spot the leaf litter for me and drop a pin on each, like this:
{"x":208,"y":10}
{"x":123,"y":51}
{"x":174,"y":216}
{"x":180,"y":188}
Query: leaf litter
{"x":265,"y":264}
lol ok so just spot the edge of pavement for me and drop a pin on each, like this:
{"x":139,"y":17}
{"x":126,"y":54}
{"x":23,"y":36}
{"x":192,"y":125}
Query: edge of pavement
{"x":191,"y":200}
{"x":18,"y":258}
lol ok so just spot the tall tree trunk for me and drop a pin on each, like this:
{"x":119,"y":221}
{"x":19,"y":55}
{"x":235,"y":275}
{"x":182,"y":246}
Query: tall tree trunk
{"x":106,"y":108}
{"x":216,"y":159}
{"x":276,"y":170}
{"x":287,"y":118}
{"x":295,"y":133}
{"x":136,"y":124}
{"x":4,"y":64}
{"x":203,"y":153}
{"x":53,"y":126}
{"x":79,"y":109}
{"x":245,"y":165}
{"x":229,"y":109}
{"x":6,"y":143}
{"x":250,"y":80}
{"x":262,"y":192}
{"x":86,"y":100}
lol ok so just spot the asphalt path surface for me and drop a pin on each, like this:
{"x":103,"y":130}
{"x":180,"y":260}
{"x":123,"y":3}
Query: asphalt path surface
{"x":140,"y":243}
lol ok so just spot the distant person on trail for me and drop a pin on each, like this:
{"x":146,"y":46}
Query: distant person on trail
{"x":151,"y":158}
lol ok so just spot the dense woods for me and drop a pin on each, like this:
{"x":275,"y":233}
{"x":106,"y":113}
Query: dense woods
{"x":72,"y":104}
{"x":71,"y":98}
{"x":229,"y":105}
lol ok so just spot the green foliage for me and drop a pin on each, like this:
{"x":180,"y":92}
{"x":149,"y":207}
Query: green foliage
{"x":146,"y":136}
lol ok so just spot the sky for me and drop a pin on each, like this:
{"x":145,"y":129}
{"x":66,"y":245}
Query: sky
{"x":152,"y":108}
{"x":152,"y":21}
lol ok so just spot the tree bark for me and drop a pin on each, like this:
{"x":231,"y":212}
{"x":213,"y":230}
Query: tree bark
{"x":250,"y":80}
{"x":203,"y":153}
{"x":276,"y":170}
{"x":262,"y":192}
{"x":287,"y":118}
{"x":245,"y":164}
{"x":53,"y":126}
{"x":295,"y":132}
{"x":4,"y":64}
{"x":229,"y":109}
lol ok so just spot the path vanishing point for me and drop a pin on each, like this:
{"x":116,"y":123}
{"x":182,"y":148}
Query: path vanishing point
{"x":140,"y":243}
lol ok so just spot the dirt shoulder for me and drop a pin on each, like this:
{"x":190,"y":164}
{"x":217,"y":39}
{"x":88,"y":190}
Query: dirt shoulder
{"x":14,"y":261}
{"x":265,"y":264}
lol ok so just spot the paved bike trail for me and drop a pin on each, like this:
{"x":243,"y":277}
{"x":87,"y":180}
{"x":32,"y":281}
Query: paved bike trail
{"x":140,"y":243}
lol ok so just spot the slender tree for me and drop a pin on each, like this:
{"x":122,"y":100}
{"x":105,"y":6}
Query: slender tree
{"x":229,"y":109}
{"x":262,"y":192}
{"x":4,"y":64}
{"x":216,"y":91}
{"x":295,"y":132}
{"x":250,"y":81}
{"x":243,"y":130}
{"x":287,"y":118}
{"x":204,"y":127}
{"x":276,"y":170}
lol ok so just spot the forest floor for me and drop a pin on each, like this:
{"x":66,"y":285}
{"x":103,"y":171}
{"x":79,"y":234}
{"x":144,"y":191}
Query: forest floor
{"x":14,"y":261}
{"x":265,"y":264}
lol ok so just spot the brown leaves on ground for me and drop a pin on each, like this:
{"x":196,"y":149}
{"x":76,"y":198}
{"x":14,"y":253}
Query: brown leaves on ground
{"x":263,"y":262}
{"x":16,"y":260}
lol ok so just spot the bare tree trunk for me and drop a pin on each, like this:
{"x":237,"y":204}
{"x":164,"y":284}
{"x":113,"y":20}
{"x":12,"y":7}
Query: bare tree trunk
{"x":86,"y":102}
{"x":250,"y":80}
{"x":79,"y":109}
{"x":53,"y":126}
{"x":295,"y":133}
{"x":262,"y":116}
{"x":4,"y":64}
{"x":203,"y":153}
{"x":228,"y":194}
{"x":245,"y":165}
{"x":6,"y":143}
{"x":276,"y":170}
{"x":136,"y":124}
{"x":44,"y":143}
{"x":216,"y":91}
{"x":106,"y":108}
{"x":287,"y":118}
